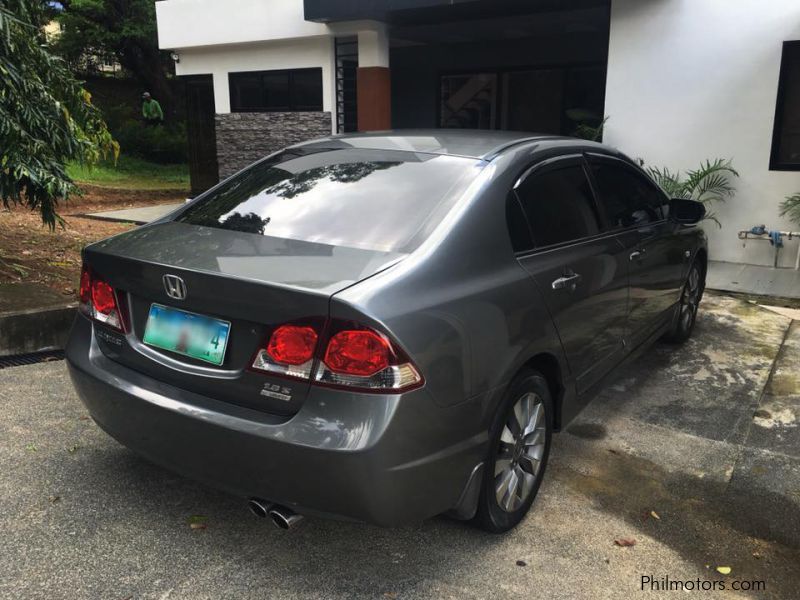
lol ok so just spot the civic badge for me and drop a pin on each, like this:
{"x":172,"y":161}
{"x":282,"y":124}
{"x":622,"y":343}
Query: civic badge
{"x":175,"y":287}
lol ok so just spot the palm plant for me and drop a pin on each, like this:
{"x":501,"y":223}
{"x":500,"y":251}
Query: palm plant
{"x":709,"y":184}
{"x":593,"y":133}
{"x":588,"y":124}
{"x":791,"y":208}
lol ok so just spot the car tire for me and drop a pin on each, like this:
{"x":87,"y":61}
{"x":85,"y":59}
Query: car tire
{"x":516,"y":462}
{"x":686,"y":311}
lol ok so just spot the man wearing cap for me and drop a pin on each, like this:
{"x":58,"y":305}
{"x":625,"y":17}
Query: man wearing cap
{"x":151,"y":110}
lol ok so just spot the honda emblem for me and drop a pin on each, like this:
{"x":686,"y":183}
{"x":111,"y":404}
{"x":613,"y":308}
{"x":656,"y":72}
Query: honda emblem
{"x":175,"y":287}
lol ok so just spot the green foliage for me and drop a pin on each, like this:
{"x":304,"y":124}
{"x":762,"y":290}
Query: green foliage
{"x":98,"y":30}
{"x":588,"y":125}
{"x":113,"y":26}
{"x":593,"y":133}
{"x":46,"y":117}
{"x":163,"y":144}
{"x":791,"y":208}
{"x":132,"y":174}
{"x":709,"y":184}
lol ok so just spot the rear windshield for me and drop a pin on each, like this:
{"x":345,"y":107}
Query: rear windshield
{"x":372,"y":199}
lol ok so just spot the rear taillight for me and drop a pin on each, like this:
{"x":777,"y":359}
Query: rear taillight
{"x":357,"y":352}
{"x":362,"y":358}
{"x":86,"y":291}
{"x":351,"y":356}
{"x":289,"y":351}
{"x":98,"y":300}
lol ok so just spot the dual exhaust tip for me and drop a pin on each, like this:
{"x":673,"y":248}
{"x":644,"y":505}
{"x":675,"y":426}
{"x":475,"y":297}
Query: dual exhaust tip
{"x":282,"y":517}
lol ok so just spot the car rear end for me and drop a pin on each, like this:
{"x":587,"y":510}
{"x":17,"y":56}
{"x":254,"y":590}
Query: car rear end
{"x":207,"y":344}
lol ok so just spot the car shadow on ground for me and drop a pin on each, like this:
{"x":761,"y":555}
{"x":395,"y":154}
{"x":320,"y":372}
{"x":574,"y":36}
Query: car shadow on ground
{"x":699,"y":519}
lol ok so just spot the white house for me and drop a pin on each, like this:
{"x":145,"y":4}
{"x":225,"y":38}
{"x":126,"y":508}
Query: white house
{"x":681,"y":81}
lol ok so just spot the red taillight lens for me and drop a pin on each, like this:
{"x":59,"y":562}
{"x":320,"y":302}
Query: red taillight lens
{"x":86,"y":288}
{"x":358,"y":357}
{"x":98,"y":300}
{"x":290,"y":350}
{"x":292,"y":344}
{"x":357,"y":352}
{"x":103,"y":297}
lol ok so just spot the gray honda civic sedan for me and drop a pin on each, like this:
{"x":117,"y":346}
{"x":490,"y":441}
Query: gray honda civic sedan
{"x":384,"y":327}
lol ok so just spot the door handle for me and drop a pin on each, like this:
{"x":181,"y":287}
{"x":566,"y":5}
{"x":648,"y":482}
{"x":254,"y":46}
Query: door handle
{"x":638,"y":254}
{"x":565,"y":282}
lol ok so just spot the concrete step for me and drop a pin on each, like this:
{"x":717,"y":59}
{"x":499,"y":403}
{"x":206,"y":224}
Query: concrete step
{"x":33,"y":318}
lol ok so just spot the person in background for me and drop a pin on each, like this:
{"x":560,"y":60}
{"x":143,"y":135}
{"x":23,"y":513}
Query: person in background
{"x":151,"y":110}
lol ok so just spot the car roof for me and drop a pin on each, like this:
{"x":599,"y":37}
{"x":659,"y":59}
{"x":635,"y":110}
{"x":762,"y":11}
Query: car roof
{"x":471,"y":143}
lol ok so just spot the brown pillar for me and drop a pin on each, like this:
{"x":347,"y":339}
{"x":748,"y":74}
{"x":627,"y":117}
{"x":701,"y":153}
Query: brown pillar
{"x":374,"y":99}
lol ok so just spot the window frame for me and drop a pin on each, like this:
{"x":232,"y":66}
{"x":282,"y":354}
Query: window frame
{"x":292,"y":106}
{"x":544,"y":166}
{"x":593,"y":157}
{"x":780,"y":105}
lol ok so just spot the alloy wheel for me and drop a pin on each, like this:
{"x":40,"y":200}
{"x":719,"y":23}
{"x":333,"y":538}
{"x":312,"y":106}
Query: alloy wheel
{"x":690,"y":299}
{"x":519,"y":457}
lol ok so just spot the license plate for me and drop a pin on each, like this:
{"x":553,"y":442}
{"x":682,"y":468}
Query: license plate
{"x":187,"y":333}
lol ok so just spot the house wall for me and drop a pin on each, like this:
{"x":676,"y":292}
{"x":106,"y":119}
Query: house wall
{"x":286,"y":54}
{"x":695,"y":79}
{"x":243,"y":138}
{"x":193,"y":23}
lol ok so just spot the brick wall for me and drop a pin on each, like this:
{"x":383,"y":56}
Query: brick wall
{"x":243,"y":138}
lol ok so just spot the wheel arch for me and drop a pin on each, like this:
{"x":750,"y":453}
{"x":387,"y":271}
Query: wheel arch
{"x":548,"y":365}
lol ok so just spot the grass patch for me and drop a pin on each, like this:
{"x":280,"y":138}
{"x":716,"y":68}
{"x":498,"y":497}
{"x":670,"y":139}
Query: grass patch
{"x":132,"y":173}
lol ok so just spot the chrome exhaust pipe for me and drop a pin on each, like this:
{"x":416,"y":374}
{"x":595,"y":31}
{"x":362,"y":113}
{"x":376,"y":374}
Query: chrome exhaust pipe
{"x":259,"y":508}
{"x":284,"y":518}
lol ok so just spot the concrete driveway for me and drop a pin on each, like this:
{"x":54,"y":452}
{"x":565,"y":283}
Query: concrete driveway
{"x":694,"y":453}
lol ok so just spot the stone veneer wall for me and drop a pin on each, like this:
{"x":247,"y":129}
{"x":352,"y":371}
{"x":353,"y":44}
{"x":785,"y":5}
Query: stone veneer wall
{"x":243,"y":138}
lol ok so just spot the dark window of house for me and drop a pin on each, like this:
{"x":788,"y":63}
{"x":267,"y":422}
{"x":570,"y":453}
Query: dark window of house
{"x":273,"y":91}
{"x":628,"y":198}
{"x":545,"y":100}
{"x":786,"y":136}
{"x":469,"y":101}
{"x":559,"y":206}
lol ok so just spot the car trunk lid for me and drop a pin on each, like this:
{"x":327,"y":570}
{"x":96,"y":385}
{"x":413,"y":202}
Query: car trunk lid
{"x":255,"y":282}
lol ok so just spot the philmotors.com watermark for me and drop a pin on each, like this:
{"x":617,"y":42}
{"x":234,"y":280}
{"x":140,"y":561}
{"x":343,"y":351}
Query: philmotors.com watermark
{"x":651,"y":583}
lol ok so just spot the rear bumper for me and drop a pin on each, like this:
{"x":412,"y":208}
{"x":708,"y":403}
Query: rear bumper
{"x":387,"y":460}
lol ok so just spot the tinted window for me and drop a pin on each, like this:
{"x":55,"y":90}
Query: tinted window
{"x":518,"y":229}
{"x":786,"y":135}
{"x":307,"y":89}
{"x":271,"y":91}
{"x":276,"y":90}
{"x":248,"y":92}
{"x":559,"y":206}
{"x":373,"y":199}
{"x":628,"y":198}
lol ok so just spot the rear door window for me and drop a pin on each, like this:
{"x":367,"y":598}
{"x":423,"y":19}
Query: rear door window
{"x":372,"y":199}
{"x":559,"y":205}
{"x":628,"y":198}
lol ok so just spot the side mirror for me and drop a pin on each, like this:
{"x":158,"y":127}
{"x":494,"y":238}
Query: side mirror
{"x":686,"y":212}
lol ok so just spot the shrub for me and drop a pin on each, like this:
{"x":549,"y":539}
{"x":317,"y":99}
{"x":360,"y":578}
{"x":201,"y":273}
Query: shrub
{"x":163,"y":144}
{"x":791,"y":208}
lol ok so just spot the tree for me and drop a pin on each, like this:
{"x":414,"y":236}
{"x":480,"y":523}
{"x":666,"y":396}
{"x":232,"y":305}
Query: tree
{"x":46,"y":117}
{"x":125,"y":29}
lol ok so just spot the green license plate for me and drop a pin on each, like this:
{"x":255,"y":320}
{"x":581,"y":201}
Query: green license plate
{"x":187,"y":333}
